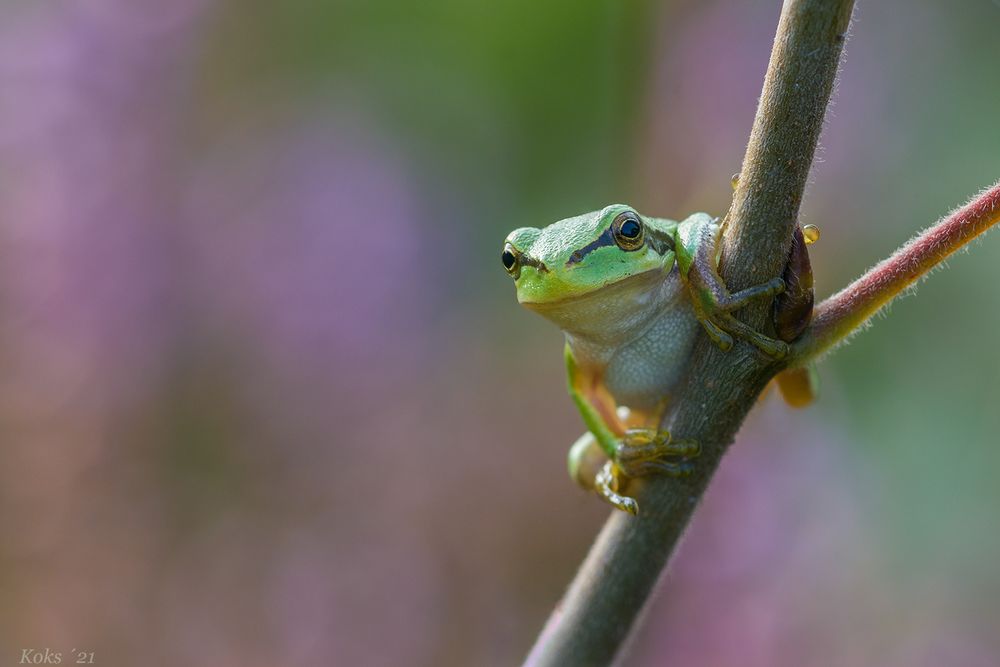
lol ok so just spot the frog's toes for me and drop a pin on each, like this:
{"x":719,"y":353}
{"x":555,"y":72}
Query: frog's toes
{"x":721,"y":326}
{"x":739,"y":299}
{"x":723,"y":340}
{"x":662,"y":466}
{"x":776,"y":349}
{"x":640,"y":453}
{"x":645,"y":452}
{"x":606,"y":484}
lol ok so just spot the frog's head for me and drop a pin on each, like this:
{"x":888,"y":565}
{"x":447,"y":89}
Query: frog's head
{"x":589,"y":272}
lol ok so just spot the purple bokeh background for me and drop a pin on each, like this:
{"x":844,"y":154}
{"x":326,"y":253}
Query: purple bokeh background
{"x":267,"y":398}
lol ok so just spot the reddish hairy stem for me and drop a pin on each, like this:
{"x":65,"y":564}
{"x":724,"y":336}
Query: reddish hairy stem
{"x":846,"y":311}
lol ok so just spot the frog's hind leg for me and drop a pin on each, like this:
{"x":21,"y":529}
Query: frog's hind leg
{"x":793,"y":308}
{"x":792,"y":313}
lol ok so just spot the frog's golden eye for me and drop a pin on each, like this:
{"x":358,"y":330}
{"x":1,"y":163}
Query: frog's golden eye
{"x":628,"y":231}
{"x":511,"y":259}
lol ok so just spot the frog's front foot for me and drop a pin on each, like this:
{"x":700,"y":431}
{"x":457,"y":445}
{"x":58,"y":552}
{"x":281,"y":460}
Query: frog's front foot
{"x":716,"y":317}
{"x":640,"y":453}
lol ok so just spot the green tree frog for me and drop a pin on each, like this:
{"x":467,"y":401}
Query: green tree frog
{"x":630,"y":293}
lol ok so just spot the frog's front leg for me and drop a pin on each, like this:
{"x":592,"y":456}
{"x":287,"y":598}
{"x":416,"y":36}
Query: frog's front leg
{"x":713,"y":303}
{"x":609,"y":454}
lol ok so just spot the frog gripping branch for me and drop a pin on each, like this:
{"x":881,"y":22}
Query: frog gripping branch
{"x":634,"y":347}
{"x":631,"y":293}
{"x":627,"y":291}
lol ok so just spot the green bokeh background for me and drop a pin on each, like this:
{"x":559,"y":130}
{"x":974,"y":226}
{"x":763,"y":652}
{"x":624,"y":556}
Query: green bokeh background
{"x":266,"y":395}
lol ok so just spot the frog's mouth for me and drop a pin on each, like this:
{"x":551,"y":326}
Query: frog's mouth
{"x":569,"y":294}
{"x":607,"y":311}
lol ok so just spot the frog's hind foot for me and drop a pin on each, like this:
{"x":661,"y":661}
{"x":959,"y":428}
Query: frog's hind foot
{"x":606,"y":485}
{"x":643,"y":452}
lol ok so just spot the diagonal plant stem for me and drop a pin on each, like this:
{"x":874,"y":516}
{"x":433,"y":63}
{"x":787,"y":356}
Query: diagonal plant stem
{"x":624,"y":564}
{"x":848,"y":310}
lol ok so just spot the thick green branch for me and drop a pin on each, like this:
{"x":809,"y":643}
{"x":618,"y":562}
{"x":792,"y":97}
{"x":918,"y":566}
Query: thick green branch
{"x":847,"y":311}
{"x":624,"y":564}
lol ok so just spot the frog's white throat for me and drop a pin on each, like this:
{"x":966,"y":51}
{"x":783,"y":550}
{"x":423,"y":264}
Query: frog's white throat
{"x":615,"y":314}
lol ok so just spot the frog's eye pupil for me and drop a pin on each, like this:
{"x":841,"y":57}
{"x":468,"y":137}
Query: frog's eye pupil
{"x":630,"y":229}
{"x":627,"y":230}
{"x":508,"y":259}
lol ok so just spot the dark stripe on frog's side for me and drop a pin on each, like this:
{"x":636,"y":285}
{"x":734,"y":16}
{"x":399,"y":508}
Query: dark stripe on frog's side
{"x":528,"y":260}
{"x":605,"y":239}
{"x":658,"y":241}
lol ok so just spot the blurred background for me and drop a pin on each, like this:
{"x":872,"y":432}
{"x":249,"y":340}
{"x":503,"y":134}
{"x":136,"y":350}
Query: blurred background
{"x":266,"y":396}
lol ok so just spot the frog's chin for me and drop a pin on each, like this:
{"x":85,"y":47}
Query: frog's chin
{"x":610,"y":313}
